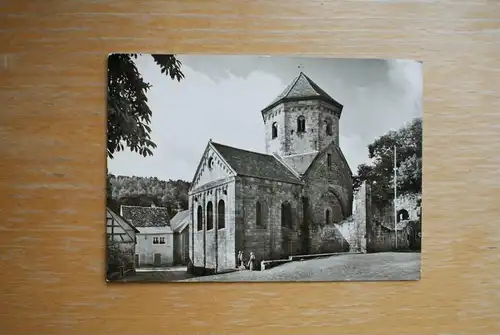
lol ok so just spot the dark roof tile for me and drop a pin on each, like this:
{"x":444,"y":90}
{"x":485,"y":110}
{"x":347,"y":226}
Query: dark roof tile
{"x":302,"y":87}
{"x":179,"y":221}
{"x":146,"y":216}
{"x":254,"y":164}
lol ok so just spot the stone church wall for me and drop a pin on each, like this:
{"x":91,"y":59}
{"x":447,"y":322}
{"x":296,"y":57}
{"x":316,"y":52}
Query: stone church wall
{"x":289,"y":142}
{"x":270,"y":240}
{"x":328,"y":188}
{"x":328,"y":239}
{"x":275,"y":115}
{"x":209,"y":248}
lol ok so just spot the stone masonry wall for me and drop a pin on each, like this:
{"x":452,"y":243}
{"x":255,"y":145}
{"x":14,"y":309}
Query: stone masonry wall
{"x":289,"y":141}
{"x":328,"y":188}
{"x":383,"y":239}
{"x":216,"y":247}
{"x":379,"y":223}
{"x":275,"y":115}
{"x":266,"y":241}
{"x":325,"y":182}
{"x":408,"y":202}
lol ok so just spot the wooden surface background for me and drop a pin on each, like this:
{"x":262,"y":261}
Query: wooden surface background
{"x":52,"y":131}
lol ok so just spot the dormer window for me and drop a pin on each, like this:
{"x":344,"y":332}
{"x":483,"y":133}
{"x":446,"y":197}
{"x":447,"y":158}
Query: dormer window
{"x":274,"y":130}
{"x":301,"y":124}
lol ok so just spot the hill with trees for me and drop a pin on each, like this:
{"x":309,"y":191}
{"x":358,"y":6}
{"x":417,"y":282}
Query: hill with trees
{"x":144,"y":191}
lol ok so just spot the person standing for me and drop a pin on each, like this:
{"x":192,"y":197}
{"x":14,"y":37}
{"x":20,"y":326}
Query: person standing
{"x":251,"y":261}
{"x":240,"y":263}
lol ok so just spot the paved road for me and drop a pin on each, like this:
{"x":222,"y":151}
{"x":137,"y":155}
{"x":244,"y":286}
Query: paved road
{"x":348,"y":267}
{"x":158,"y":275}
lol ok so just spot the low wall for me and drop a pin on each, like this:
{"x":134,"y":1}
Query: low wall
{"x":383,"y":239}
{"x":266,"y":265}
{"x":352,"y":232}
{"x":328,"y":239}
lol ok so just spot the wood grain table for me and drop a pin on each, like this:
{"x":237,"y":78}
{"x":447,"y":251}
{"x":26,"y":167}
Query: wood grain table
{"x":52,"y":131}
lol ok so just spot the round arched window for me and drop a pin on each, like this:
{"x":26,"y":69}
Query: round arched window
{"x":210,"y":162}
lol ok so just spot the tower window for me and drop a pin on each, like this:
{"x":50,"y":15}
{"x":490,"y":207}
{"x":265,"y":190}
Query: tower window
{"x":328,"y":127}
{"x":329,"y":160}
{"x":274,"y":130}
{"x":301,"y":124}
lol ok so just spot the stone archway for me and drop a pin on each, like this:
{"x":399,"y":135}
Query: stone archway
{"x":332,"y":191}
{"x":328,"y":203}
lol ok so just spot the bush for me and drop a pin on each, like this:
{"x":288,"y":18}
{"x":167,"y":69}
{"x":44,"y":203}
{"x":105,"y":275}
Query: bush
{"x":116,"y":257}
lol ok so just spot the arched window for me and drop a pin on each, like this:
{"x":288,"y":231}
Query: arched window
{"x":221,"y":214}
{"x":286,"y":215}
{"x":403,"y":215}
{"x":199,"y":218}
{"x":327,"y":216}
{"x":258,"y":215}
{"x":274,"y":130}
{"x":329,"y":160}
{"x":210,"y":216}
{"x":301,"y":124}
{"x":328,"y":127}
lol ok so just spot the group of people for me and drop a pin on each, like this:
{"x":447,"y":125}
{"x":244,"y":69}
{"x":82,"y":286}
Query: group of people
{"x":250,"y":265}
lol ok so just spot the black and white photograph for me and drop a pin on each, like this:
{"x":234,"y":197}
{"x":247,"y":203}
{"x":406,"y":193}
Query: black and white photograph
{"x":242,"y":168}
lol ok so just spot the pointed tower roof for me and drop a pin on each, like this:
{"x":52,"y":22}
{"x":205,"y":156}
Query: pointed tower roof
{"x":302,"y":88}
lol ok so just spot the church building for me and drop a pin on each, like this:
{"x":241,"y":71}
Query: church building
{"x":279,"y":203}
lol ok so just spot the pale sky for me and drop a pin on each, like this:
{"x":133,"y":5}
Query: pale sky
{"x":221,"y":98}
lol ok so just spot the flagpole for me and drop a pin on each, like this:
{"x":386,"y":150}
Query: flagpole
{"x":395,"y":191}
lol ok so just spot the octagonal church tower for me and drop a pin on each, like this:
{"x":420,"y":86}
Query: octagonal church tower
{"x":303,"y":119}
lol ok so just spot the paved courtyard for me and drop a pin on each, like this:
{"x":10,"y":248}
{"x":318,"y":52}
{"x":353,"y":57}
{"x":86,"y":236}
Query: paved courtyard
{"x":347,"y":267}
{"x":158,"y":275}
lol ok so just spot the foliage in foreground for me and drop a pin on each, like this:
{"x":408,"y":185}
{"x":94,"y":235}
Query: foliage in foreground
{"x":129,"y":115}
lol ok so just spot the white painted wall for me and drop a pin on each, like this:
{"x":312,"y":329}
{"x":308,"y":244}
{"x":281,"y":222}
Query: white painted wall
{"x":146,"y":249}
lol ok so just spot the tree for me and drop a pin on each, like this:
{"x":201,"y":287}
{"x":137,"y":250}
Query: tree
{"x":144,"y":191}
{"x":408,"y":142}
{"x":129,"y":115}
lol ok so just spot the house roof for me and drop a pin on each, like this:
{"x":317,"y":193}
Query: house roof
{"x":254,"y":164}
{"x":145,"y":216}
{"x":112,"y":215}
{"x":155,"y":230}
{"x":302,"y":88}
{"x":180,"y":221}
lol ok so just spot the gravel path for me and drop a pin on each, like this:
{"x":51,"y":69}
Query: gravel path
{"x":348,"y":267}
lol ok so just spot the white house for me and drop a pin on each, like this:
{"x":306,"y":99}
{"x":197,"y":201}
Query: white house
{"x":155,"y":246}
{"x":155,"y":239}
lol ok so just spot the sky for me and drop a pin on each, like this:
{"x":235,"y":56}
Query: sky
{"x":221,"y":97}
